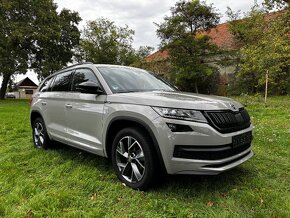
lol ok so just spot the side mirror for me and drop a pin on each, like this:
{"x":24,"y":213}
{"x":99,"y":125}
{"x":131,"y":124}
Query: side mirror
{"x":89,"y":88}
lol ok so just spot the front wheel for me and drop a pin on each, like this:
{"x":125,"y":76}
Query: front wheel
{"x":132,"y":158}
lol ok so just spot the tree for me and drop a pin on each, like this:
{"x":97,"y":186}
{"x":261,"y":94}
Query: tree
{"x":265,"y":49}
{"x":34,"y":35}
{"x":11,"y":84}
{"x":140,"y":55}
{"x":104,"y":42}
{"x":57,"y":47}
{"x":144,"y":51}
{"x":278,"y":4}
{"x":182,"y":35}
{"x":13,"y":44}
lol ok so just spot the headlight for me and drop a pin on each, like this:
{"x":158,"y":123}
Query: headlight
{"x":182,"y":114}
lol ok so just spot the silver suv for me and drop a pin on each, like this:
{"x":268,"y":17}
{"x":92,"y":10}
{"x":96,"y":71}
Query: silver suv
{"x":141,"y":122}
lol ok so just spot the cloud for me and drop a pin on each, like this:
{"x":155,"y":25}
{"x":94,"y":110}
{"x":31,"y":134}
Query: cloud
{"x":243,"y":6}
{"x":140,"y":15}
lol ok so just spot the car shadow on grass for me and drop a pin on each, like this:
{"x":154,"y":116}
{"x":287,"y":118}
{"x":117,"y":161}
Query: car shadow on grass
{"x":185,"y":185}
{"x":80,"y":156}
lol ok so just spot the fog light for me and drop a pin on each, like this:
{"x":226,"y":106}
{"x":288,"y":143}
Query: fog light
{"x":179,"y":128}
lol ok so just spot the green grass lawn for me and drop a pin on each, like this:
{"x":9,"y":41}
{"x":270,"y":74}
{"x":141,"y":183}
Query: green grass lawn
{"x":67,"y":182}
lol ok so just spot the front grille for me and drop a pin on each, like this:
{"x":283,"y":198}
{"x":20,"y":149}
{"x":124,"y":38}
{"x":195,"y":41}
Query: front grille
{"x":228,"y":121}
{"x":208,"y":152}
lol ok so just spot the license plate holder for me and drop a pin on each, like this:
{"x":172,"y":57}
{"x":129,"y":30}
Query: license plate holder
{"x":242,"y":139}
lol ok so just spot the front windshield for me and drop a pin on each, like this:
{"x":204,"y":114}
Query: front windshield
{"x":124,"y":79}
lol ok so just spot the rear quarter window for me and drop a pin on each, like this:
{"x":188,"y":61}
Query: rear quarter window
{"x":45,"y":85}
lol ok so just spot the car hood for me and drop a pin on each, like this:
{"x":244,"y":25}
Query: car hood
{"x":176,"y":100}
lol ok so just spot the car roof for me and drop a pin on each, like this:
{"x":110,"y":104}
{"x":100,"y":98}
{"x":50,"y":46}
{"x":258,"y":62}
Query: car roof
{"x":88,"y":64}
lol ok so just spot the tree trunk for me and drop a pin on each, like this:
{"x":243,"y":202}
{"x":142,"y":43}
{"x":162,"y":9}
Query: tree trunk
{"x":6,"y":78}
{"x":195,"y":87}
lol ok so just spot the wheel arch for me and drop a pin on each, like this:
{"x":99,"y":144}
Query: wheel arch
{"x":118,"y":123}
{"x":35,"y":114}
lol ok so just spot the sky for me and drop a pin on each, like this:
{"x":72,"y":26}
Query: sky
{"x":139,"y":15}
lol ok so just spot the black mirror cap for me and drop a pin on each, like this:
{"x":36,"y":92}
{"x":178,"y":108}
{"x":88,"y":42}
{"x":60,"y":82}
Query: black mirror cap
{"x":90,"y":87}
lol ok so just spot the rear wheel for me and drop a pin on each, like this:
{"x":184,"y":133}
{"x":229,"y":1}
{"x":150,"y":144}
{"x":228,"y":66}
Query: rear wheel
{"x":40,"y":136}
{"x":132,"y":158}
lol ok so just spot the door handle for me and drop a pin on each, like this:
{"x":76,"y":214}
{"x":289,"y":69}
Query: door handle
{"x":68,"y":106}
{"x":43,"y":103}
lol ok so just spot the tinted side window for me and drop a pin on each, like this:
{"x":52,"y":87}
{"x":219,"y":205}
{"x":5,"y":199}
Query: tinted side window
{"x":83,"y":75}
{"x":62,"y":82}
{"x":45,"y":85}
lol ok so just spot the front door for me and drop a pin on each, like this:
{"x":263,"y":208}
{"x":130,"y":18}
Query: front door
{"x":84,"y":114}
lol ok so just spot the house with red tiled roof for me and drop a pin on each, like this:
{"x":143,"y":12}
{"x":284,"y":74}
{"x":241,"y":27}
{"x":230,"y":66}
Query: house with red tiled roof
{"x":219,"y":35}
{"x":222,"y":37}
{"x":225,"y":62}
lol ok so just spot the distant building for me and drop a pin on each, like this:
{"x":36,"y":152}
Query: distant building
{"x":25,"y":88}
{"x":222,"y":37}
{"x":219,"y":35}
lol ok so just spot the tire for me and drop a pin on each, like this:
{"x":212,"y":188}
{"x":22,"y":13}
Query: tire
{"x":133,"y":158}
{"x":39,"y":134}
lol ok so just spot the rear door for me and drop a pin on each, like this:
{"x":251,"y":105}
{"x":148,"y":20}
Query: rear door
{"x":84,"y":114}
{"x":43,"y":96}
{"x":56,"y":108}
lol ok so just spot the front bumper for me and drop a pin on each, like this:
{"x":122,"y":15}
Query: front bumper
{"x":205,"y":138}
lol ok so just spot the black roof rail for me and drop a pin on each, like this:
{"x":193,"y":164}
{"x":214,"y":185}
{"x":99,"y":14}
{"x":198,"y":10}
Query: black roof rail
{"x":75,"y":65}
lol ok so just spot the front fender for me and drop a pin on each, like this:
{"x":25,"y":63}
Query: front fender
{"x":143,"y":115}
